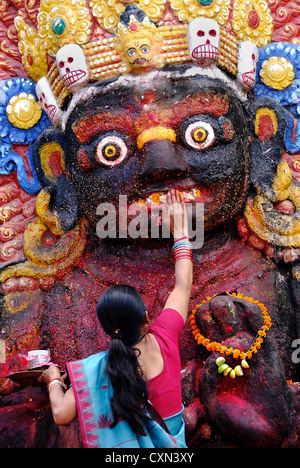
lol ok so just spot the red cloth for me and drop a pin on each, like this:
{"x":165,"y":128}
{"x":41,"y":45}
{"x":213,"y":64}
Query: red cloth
{"x":165,"y":388}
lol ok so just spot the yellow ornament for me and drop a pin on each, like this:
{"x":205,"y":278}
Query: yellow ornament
{"x":108,"y":13}
{"x":252,"y":21}
{"x":23,"y":111}
{"x":61,"y":23}
{"x":31,"y":49}
{"x":187,"y":10}
{"x":277,"y":72}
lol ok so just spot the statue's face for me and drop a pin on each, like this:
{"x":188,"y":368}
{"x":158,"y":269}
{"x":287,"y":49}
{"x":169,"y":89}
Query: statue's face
{"x":141,"y":141}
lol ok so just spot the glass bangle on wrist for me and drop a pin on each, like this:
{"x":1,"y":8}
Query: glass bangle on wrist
{"x":57,"y":380}
{"x":182,"y":250}
{"x":181,"y":243}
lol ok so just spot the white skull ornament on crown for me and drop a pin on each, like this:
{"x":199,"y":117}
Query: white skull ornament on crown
{"x":48,"y":101}
{"x":72,"y":66}
{"x":247,"y":61}
{"x":204,"y":41}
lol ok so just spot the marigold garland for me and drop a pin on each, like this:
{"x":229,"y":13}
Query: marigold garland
{"x":234,"y":352}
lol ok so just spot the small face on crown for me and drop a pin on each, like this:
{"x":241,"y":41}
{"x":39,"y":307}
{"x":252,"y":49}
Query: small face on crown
{"x":138,"y":40}
{"x":138,"y":53}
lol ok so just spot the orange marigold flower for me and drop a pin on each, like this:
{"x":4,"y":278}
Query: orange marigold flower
{"x":236,"y":353}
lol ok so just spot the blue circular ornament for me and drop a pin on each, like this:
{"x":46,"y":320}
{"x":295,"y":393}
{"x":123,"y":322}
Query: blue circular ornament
{"x":58,"y":26}
{"x":205,"y":2}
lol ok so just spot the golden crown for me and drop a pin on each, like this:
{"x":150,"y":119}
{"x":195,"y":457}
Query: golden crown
{"x":76,"y":43}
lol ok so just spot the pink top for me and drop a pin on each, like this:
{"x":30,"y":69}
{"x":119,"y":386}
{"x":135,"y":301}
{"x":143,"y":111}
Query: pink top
{"x":165,"y":388}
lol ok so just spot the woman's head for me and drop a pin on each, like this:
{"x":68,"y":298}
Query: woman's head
{"x":122,"y":309}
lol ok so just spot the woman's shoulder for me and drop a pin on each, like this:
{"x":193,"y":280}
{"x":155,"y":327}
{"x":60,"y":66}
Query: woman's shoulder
{"x":169,"y":321}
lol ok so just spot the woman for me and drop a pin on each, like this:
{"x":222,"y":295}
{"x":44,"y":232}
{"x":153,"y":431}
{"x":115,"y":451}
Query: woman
{"x":111,"y":391}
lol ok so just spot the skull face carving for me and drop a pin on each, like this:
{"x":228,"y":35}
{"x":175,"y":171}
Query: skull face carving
{"x":72,"y":66}
{"x":247,"y":60}
{"x":48,"y":101}
{"x":204,"y":41}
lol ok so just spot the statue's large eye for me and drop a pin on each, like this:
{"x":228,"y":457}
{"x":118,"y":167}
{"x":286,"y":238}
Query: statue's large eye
{"x":199,"y":135}
{"x":111,"y":150}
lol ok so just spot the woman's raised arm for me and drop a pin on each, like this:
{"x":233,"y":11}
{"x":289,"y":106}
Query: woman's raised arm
{"x":177,"y":217}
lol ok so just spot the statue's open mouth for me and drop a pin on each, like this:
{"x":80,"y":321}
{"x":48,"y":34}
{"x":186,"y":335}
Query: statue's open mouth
{"x":159,"y":197}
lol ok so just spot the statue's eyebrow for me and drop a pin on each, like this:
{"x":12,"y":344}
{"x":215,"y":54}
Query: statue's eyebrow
{"x":133,"y":121}
{"x":89,"y":126}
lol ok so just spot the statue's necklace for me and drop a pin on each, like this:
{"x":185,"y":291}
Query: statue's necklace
{"x":223,"y":367}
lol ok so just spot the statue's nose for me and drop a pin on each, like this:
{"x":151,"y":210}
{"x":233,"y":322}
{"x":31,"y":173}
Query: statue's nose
{"x":161,"y":158}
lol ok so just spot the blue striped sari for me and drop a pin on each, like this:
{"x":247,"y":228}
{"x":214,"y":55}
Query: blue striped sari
{"x":93,"y":392}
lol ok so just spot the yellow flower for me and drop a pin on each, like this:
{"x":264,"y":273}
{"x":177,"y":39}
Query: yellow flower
{"x":252,"y":21}
{"x":23,"y":111}
{"x":277,"y":72}
{"x":61,"y":23}
{"x":31,"y":49}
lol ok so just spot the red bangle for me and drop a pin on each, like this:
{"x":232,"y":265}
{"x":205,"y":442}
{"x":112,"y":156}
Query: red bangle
{"x":181,"y":248}
{"x":178,"y":240}
{"x":180,"y":256}
{"x":178,"y":247}
{"x":59,"y":381}
{"x":183,"y":258}
{"x":183,"y":254}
